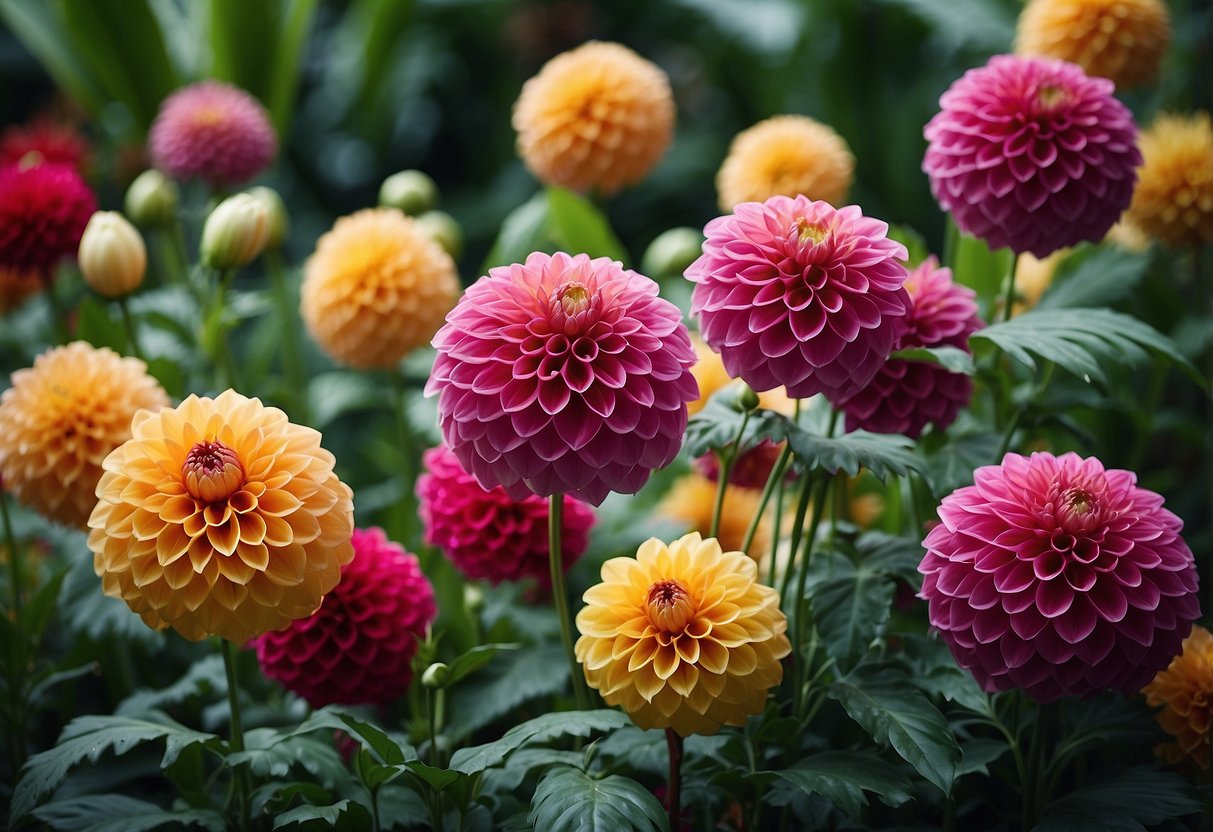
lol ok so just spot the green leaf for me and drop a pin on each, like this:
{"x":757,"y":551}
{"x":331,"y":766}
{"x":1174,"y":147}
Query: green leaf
{"x":335,"y":394}
{"x":850,"y":605}
{"x":39,"y":27}
{"x":437,"y":778}
{"x":952,"y":359}
{"x":473,"y":660}
{"x":880,"y":453}
{"x":894,"y":556}
{"x":1124,"y":800}
{"x":716,"y":425}
{"x":119,"y":813}
{"x":935,"y":672}
{"x":267,"y":753}
{"x":95,"y":324}
{"x":508,"y":778}
{"x":541,"y":729}
{"x":974,"y":265}
{"x":952,"y":465}
{"x":205,"y":676}
{"x":517,"y":678}
{"x":344,"y":814}
{"x":843,"y":777}
{"x":980,"y":25}
{"x":977,"y":754}
{"x":38,"y":610}
{"x":569,"y":800}
{"x":1095,"y":276}
{"x":577,"y":226}
{"x":524,"y":230}
{"x":388,"y":750}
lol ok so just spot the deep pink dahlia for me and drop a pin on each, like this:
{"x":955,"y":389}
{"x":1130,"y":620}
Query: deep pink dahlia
{"x":563,"y":375}
{"x":1054,"y":575}
{"x":488,"y":535}
{"x":212,"y":131}
{"x":43,"y":210}
{"x":797,"y":293}
{"x":907,"y":395}
{"x":356,"y":649}
{"x":750,"y":470}
{"x":1032,"y":154}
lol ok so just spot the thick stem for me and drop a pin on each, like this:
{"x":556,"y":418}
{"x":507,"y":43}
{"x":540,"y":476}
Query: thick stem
{"x":674,"y":786}
{"x":1033,"y":785}
{"x":132,"y":331}
{"x":431,"y":718}
{"x":237,"y":742}
{"x":802,"y":510}
{"x":776,"y":526}
{"x":727,"y":457}
{"x":217,"y":336}
{"x":560,"y":595}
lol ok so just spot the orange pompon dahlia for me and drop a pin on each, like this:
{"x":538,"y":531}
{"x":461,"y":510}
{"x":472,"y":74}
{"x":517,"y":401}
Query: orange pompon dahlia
{"x":60,"y":419}
{"x":785,"y":156}
{"x":596,"y":117}
{"x":1185,"y":692}
{"x":1173,"y":200}
{"x":220,"y":517}
{"x":376,"y":288}
{"x":683,"y":636}
{"x":692,"y":498}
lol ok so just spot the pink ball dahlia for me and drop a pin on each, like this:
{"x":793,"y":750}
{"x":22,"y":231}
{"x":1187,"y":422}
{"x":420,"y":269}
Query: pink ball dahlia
{"x":563,"y":375}
{"x":907,"y":395}
{"x":357,"y":648}
{"x":487,"y":534}
{"x":1057,"y":576}
{"x":797,"y":293}
{"x":1032,"y":154}
{"x":212,"y":131}
{"x":43,"y":211}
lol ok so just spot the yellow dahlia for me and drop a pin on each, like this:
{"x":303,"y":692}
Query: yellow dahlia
{"x":1173,"y":200}
{"x":15,"y":286}
{"x":1185,"y":692}
{"x":376,"y":288}
{"x":683,"y":636}
{"x":595,"y":117}
{"x":1123,"y":40}
{"x":785,"y":156}
{"x":692,"y":498}
{"x":220,"y":517}
{"x":710,"y":374}
{"x":60,"y":419}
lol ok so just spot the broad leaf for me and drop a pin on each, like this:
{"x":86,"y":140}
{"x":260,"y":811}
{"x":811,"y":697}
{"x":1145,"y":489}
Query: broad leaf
{"x":1126,"y":800}
{"x":894,"y":556}
{"x":717,"y":424}
{"x":267,"y":753}
{"x":345,"y":814}
{"x":473,"y":660}
{"x":569,"y":800}
{"x":119,"y":813}
{"x":541,"y":729}
{"x":333,"y":395}
{"x":952,"y":359}
{"x":389,"y":750}
{"x":505,"y":684}
{"x":205,"y":677}
{"x":879,"y":453}
{"x":577,"y":225}
{"x":952,"y":465}
{"x":1095,"y":276}
{"x":850,"y":605}
{"x":843,"y":777}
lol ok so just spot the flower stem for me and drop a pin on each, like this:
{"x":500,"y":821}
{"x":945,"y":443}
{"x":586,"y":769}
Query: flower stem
{"x":292,"y":349}
{"x":802,"y":610}
{"x":802,"y":510}
{"x":237,"y":743}
{"x":132,"y":332}
{"x":777,"y":473}
{"x":431,"y":718}
{"x":674,"y":790}
{"x":1008,"y":300}
{"x":409,"y":462}
{"x":1045,"y":375}
{"x":727,"y":457}
{"x":776,"y":525}
{"x":14,"y":558}
{"x":17,"y":659}
{"x":560,"y":595}
{"x":1033,"y":781}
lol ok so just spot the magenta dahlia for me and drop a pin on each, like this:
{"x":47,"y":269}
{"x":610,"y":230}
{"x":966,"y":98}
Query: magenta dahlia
{"x":797,"y":293}
{"x":750,"y":470}
{"x":1059,"y":577}
{"x":214,"y":132}
{"x":43,"y":210}
{"x":487,"y":534}
{"x":357,"y":648}
{"x":905,"y":396}
{"x":1032,"y":154}
{"x":563,"y":375}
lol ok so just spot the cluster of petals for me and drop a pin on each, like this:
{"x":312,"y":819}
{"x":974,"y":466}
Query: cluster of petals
{"x":1173,"y":201}
{"x":785,"y":156}
{"x":1184,"y":691}
{"x":52,"y":141}
{"x":44,"y":208}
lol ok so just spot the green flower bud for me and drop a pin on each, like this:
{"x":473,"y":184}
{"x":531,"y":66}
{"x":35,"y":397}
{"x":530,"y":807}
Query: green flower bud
{"x":235,"y":233}
{"x":436,"y":675}
{"x":671,"y":252}
{"x":112,"y":255}
{"x":151,"y":200}
{"x":409,"y":190}
{"x":279,"y":220}
{"x":441,"y":227}
{"x":747,"y":399}
{"x":473,"y":598}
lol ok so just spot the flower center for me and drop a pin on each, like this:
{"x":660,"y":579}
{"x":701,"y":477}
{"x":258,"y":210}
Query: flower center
{"x":573,"y":298}
{"x":1050,"y":96}
{"x":212,"y":471}
{"x":1079,"y":501}
{"x":810,"y":232}
{"x":670,"y":607}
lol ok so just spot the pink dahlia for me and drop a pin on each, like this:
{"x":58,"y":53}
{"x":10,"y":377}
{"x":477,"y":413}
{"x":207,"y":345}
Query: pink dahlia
{"x":212,"y":131}
{"x":53,"y":141}
{"x":750,"y":470}
{"x":43,"y":210}
{"x":1032,"y":154}
{"x":563,"y":375}
{"x":1054,"y":575}
{"x":357,"y":648}
{"x":797,"y":293}
{"x":487,"y":534}
{"x":907,"y":395}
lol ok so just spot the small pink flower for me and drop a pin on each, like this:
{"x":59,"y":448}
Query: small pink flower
{"x":43,"y":211}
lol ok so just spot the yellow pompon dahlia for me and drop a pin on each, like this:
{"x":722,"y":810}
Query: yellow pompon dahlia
{"x":598,"y":117}
{"x":1185,"y":692}
{"x":710,"y":374}
{"x":785,"y":156}
{"x":692,"y":498}
{"x":1123,"y":40}
{"x":60,"y":419}
{"x":220,"y":517}
{"x":376,"y":288}
{"x":1173,"y":201}
{"x":683,"y":636}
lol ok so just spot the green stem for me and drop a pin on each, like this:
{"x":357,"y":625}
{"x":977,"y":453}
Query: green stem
{"x":802,"y":610}
{"x":1033,"y":786}
{"x":726,"y":456}
{"x":431,"y":717}
{"x":237,"y":742}
{"x":674,"y":784}
{"x":1008,"y":300}
{"x":776,"y":531}
{"x":560,"y":595}
{"x":292,"y":347}
{"x":802,"y":510}
{"x":17,"y":658}
{"x":408,"y":461}
{"x":217,"y":334}
{"x":777,"y":474}
{"x":14,"y":558}
{"x":132,"y":332}
{"x":1016,"y":418}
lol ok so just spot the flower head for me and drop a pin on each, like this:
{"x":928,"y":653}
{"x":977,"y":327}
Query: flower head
{"x":376,"y":288}
{"x":487,"y":534}
{"x":1032,"y":154}
{"x":60,"y":419}
{"x":797,"y":293}
{"x":563,"y":375}
{"x":595,"y":117}
{"x":1059,"y":577}
{"x":15,"y":286}
{"x":785,"y":156}
{"x":357,"y":648}
{"x":683,"y":636}
{"x":43,"y":211}
{"x":692,"y":499}
{"x":113,"y":257}
{"x":1185,"y":692}
{"x":220,"y":517}
{"x":235,"y":233}
{"x":55,"y":143}
{"x":1174,"y":197}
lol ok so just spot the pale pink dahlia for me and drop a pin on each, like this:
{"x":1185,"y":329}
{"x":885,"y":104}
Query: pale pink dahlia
{"x":797,"y":293}
{"x":563,"y":375}
{"x":1032,"y":154}
{"x":487,"y":534}
{"x":907,"y":395}
{"x":214,"y":132}
{"x":357,"y":648}
{"x":1054,"y":575}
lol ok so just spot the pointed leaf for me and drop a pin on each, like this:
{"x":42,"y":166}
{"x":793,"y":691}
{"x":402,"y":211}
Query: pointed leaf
{"x":541,"y":729}
{"x":952,"y":359}
{"x":850,"y":605}
{"x":1124,"y":800}
{"x":569,"y":800}
{"x":843,"y":777}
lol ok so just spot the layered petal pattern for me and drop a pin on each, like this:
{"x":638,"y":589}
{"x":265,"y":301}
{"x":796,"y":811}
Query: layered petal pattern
{"x":785,"y":156}
{"x":44,"y":208}
{"x":1184,"y":691}
{"x":1173,"y":201}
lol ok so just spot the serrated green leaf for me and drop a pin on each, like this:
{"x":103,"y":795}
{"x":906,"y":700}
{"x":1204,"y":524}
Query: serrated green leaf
{"x":1095,"y":276}
{"x":843,"y":777}
{"x":935,"y":672}
{"x":347,"y":814}
{"x":115,"y":813}
{"x":850,"y":605}
{"x":569,"y":800}
{"x":952,"y":359}
{"x":891,"y":555}
{"x":269,"y":755}
{"x":577,"y":226}
{"x":879,"y":453}
{"x":500,"y":688}
{"x":716,"y":425}
{"x":952,"y":466}
{"x":204,"y":676}
{"x":508,"y":778}
{"x":474,"y":659}
{"x":541,"y":729}
{"x":1128,"y":800}
{"x":389,"y":750}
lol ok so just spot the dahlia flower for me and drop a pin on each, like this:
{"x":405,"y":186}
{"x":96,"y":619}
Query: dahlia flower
{"x":785,"y":156}
{"x":563,"y":375}
{"x":751,"y":469}
{"x":55,"y":143}
{"x":487,"y":534}
{"x":60,"y":419}
{"x":376,"y":288}
{"x":357,"y":648}
{"x":43,"y":211}
{"x":220,"y":517}
{"x":595,"y":117}
{"x":683,"y":636}
{"x":692,"y":499}
{"x":1059,"y":577}
{"x":1185,"y":692}
{"x":796,"y":293}
{"x":1031,"y":154}
{"x":1174,"y":197}
{"x":15,"y":286}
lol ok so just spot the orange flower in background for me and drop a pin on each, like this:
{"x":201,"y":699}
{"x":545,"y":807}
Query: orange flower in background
{"x":710,"y":374}
{"x":220,"y":517}
{"x":1173,"y":200}
{"x":1185,"y":692}
{"x":692,"y":498}
{"x":60,"y":419}
{"x":683,"y":636}
{"x":15,"y":286}
{"x":785,"y":156}
{"x":595,"y":117}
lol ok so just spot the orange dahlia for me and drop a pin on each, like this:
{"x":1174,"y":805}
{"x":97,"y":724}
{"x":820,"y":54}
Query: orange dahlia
{"x":692,"y":498}
{"x":376,"y":288}
{"x":60,"y":419}
{"x":785,"y":156}
{"x":683,"y":636}
{"x":220,"y":517}
{"x":1173,"y":200}
{"x":1185,"y":692}
{"x":15,"y":286}
{"x":710,"y":374}
{"x":595,"y":117}
{"x":1123,"y":40}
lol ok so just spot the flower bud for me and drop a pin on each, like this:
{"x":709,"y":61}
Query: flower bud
{"x":473,"y":598}
{"x":112,"y":255}
{"x":409,"y":190}
{"x":441,"y":227}
{"x":747,"y":399}
{"x":436,"y":675}
{"x":279,"y":220}
{"x":235,"y":232}
{"x":151,"y":200}
{"x":671,"y":252}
